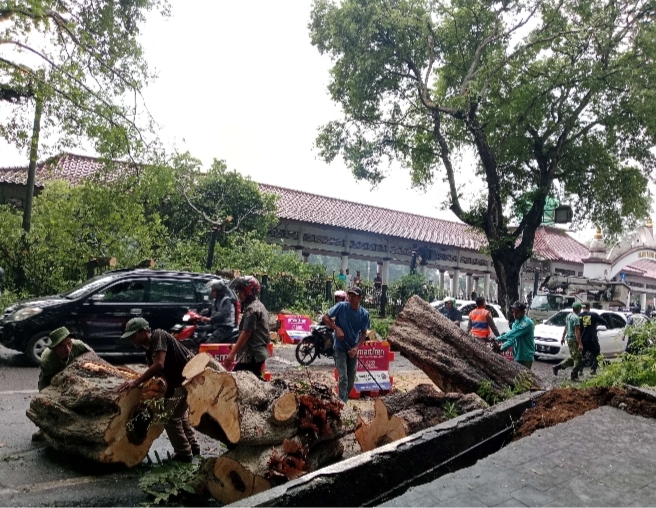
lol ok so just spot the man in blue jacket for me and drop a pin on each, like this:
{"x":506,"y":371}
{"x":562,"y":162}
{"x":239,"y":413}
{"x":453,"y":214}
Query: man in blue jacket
{"x":520,"y":337}
{"x":350,"y":326}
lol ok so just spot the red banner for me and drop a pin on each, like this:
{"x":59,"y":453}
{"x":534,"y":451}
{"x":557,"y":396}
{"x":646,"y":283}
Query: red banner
{"x":294,"y":328}
{"x":375,"y":357}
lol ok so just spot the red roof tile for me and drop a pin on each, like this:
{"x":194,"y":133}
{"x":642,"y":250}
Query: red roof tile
{"x":643,"y":267}
{"x":554,"y":244}
{"x":70,"y":167}
{"x":315,"y":209}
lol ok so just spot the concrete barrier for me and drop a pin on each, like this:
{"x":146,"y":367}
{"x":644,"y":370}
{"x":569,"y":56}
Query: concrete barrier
{"x":388,"y":471}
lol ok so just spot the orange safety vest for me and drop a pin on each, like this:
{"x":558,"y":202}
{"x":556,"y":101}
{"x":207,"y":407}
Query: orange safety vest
{"x":479,"y":325}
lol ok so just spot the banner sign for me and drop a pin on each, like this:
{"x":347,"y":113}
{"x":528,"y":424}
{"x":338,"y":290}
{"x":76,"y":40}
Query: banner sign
{"x":221,"y":351}
{"x":375,"y":357}
{"x":294,"y":328}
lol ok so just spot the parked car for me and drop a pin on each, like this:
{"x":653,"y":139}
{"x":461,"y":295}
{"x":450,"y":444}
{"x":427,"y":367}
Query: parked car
{"x":466,"y":306}
{"x":549,"y":334}
{"x":98,"y":309}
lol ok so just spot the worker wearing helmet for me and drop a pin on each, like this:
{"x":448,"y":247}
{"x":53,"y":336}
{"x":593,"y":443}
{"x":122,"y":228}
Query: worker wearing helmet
{"x":254,"y":336}
{"x":222,"y":316}
{"x":450,"y":312}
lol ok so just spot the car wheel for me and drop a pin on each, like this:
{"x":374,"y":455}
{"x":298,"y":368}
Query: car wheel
{"x":36,"y":346}
{"x":536,"y":358}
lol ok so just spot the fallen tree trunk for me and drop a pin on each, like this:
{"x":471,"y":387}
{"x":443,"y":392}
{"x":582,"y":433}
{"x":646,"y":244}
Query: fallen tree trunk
{"x":452,"y":359}
{"x":238,"y":408}
{"x":248,"y":470}
{"x":199,"y":363}
{"x":82,"y":413}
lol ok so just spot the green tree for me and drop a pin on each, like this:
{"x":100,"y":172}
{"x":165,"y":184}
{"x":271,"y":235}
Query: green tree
{"x":554,"y":97}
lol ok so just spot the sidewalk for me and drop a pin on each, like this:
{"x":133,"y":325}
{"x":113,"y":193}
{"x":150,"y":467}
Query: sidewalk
{"x":603,"y":458}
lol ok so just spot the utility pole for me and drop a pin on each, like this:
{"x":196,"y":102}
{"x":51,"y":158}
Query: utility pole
{"x":34,"y":154}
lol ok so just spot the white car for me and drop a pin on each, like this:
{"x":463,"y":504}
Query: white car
{"x":466,"y":306}
{"x":548,"y":335}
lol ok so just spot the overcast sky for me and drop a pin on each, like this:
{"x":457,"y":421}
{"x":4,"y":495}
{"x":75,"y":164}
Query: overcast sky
{"x":240,"y":81}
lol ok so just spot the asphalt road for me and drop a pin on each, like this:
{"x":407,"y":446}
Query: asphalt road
{"x":32,"y":474}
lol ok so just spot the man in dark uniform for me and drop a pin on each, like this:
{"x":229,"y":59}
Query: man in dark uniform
{"x":589,"y":323}
{"x":166,"y":358}
{"x":449,"y":311}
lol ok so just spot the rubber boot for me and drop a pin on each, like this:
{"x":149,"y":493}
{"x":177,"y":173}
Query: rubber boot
{"x":555,"y":369}
{"x":574,"y":376}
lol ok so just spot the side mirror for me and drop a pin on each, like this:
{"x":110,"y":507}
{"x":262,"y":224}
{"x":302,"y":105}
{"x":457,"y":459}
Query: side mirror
{"x":98,"y":297}
{"x":601,"y":328}
{"x":205,"y":312}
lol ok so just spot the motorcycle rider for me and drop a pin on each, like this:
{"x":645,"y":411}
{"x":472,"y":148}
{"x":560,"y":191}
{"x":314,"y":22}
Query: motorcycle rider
{"x":254,"y":328}
{"x":222,"y":318}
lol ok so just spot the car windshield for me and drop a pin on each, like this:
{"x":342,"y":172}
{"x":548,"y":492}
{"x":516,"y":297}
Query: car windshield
{"x":557,"y":319}
{"x":551,"y":302}
{"x":88,"y":286}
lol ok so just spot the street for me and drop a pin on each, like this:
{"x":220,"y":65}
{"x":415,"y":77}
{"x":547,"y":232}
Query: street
{"x":32,"y":474}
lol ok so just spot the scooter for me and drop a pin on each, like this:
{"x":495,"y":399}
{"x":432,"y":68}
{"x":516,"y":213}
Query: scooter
{"x":194,"y":332}
{"x":318,"y":343}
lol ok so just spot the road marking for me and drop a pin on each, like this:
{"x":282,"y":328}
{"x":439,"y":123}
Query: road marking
{"x":69,"y":482}
{"x":18,"y":392}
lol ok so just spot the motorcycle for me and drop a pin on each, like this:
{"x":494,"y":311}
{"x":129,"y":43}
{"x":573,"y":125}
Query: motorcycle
{"x":194,"y":332}
{"x":318,"y":343}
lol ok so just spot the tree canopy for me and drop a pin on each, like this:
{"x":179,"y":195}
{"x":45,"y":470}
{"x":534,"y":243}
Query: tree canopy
{"x":555,"y":97}
{"x":85,"y":61}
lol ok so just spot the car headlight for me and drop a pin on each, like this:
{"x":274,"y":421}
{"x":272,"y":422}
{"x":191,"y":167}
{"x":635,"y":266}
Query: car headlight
{"x":23,"y":314}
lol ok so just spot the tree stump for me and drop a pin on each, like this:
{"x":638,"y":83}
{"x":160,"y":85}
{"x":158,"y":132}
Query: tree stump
{"x":82,"y":413}
{"x":452,"y":359}
{"x":383,"y":429}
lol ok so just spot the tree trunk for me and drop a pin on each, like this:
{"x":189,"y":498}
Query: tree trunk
{"x":199,"y":363}
{"x":238,"y":408}
{"x":507,"y":269}
{"x":383,"y":429}
{"x":424,"y":406}
{"x":82,"y":413}
{"x":452,"y":359}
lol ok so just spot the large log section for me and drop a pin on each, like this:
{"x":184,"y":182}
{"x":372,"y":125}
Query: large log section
{"x":82,"y":413}
{"x":452,"y":359}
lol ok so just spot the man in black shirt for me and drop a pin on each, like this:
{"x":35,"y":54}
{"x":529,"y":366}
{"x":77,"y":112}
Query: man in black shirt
{"x":589,"y":323}
{"x":166,"y":358}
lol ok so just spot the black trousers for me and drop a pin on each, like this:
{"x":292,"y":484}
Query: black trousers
{"x":592,"y":348}
{"x":254,"y":367}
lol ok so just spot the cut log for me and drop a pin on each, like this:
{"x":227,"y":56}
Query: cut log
{"x":383,"y":429}
{"x":238,"y":407}
{"x":247,"y":470}
{"x":452,"y":359}
{"x":199,"y":363}
{"x":82,"y":413}
{"x":424,"y":406}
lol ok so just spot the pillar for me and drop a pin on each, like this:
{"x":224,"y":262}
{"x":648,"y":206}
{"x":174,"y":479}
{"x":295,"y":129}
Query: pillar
{"x":455,"y":283}
{"x":441,"y":284}
{"x":299,"y":251}
{"x":468,"y":286}
{"x":643,"y":301}
{"x":305,"y":256}
{"x":422,"y":270}
{"x":385,"y":274}
{"x":486,"y":286}
{"x":379,"y":268}
{"x":345,"y":260}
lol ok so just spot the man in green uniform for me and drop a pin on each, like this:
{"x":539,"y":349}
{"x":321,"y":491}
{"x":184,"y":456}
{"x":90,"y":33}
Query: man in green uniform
{"x":572,"y":333}
{"x":63,"y":348}
{"x":521,"y":337}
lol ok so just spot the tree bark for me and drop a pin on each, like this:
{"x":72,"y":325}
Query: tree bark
{"x":507,"y":270}
{"x":238,"y":408}
{"x":452,"y":359}
{"x":82,"y":413}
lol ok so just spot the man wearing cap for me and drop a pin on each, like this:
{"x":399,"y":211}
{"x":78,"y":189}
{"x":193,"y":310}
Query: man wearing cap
{"x":572,"y":333}
{"x":166,"y":358}
{"x":350,"y":325}
{"x":450,"y":312}
{"x":520,"y":337}
{"x":62,"y":349}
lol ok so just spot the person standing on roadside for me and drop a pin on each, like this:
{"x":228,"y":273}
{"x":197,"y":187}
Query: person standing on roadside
{"x":572,"y":333}
{"x":254,"y":328}
{"x":341,"y":277}
{"x":520,"y":337}
{"x":481,"y":323}
{"x":350,"y":325}
{"x":450,"y":312}
{"x":589,"y":338}
{"x":167,"y":358}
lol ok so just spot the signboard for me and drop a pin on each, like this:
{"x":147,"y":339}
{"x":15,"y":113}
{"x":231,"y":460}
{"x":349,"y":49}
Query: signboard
{"x":294,"y":328}
{"x":375,"y":357}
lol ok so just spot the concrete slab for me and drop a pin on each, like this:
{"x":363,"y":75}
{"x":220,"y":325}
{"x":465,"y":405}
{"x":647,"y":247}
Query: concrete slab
{"x":602,"y":458}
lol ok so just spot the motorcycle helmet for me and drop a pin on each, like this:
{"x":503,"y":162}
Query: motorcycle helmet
{"x":249,"y":284}
{"x":340,"y":296}
{"x":216,"y":285}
